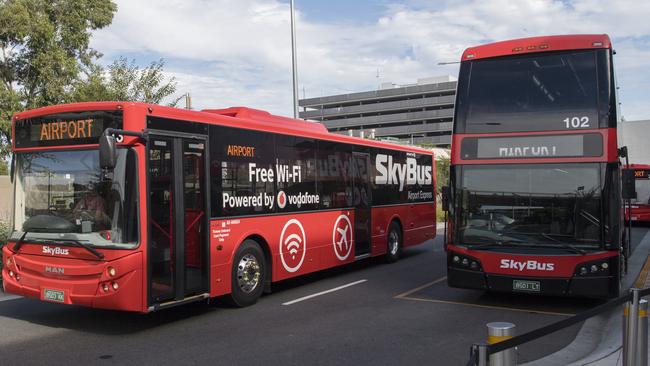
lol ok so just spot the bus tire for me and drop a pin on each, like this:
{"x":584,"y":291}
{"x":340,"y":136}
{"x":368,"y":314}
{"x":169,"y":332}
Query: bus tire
{"x":393,"y":242}
{"x":248,"y":274}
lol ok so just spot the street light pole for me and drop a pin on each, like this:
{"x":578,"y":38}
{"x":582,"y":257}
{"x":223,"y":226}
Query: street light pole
{"x":294,"y":62}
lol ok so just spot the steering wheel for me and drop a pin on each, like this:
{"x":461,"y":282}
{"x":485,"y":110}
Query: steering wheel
{"x":85,"y":215}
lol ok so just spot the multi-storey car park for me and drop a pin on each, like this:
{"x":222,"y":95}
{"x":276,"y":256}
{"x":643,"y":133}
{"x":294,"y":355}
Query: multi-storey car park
{"x":421,"y":113}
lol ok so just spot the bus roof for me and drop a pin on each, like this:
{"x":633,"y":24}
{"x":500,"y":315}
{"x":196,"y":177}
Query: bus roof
{"x":238,"y":117}
{"x":537,"y":44}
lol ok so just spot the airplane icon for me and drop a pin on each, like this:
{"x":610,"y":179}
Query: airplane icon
{"x":344,"y":237}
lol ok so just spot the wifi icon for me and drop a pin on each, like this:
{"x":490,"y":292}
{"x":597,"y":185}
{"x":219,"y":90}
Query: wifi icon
{"x":293,"y":246}
{"x":293,"y":242}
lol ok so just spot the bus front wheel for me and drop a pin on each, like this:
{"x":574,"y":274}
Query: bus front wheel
{"x":394,"y":242}
{"x":248,"y":274}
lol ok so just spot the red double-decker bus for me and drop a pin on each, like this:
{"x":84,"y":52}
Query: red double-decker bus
{"x":535,"y":197}
{"x":640,"y":206}
{"x":139,"y":207}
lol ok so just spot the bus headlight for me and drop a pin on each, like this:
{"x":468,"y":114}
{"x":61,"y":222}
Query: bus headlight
{"x":464,"y":262}
{"x":599,"y":267}
{"x":111,"y":271}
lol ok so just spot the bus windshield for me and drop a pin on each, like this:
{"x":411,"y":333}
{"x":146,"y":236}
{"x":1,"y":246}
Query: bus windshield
{"x":542,"y":204}
{"x":65,"y":195}
{"x":545,"y":91}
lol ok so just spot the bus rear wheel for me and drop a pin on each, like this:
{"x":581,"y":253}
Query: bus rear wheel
{"x":394,"y":242}
{"x":248,"y":274}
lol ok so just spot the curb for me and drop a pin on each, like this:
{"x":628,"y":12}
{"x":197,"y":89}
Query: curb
{"x":599,"y":340}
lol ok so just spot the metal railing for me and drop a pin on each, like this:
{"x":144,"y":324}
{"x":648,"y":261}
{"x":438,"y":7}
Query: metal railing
{"x":500,"y":349}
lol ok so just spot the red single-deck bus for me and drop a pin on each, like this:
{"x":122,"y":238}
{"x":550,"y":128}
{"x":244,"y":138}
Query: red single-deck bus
{"x":640,"y":206}
{"x":139,"y":207}
{"x":535,"y":197}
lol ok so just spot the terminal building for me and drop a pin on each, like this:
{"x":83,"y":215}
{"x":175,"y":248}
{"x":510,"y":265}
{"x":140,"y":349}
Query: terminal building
{"x":420,"y":113}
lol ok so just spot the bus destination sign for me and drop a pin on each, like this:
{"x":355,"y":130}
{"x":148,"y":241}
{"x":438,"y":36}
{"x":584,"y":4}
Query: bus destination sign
{"x":65,"y":128}
{"x":546,"y":146}
{"x":641,"y":173}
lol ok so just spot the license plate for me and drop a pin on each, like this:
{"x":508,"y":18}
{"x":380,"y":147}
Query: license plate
{"x":531,"y":286}
{"x":54,"y":295}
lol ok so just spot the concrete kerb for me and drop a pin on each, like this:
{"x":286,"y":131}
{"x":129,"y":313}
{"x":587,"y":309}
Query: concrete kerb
{"x":599,"y":341}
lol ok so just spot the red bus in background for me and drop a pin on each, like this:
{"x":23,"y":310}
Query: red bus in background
{"x":534,"y":196}
{"x":139,"y":207}
{"x":640,"y":206}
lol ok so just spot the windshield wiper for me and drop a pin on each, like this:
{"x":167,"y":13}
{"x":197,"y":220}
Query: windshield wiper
{"x":68,"y":242}
{"x":85,"y":246}
{"x":19,"y":243}
{"x":498,"y":244}
{"x":564,"y":245}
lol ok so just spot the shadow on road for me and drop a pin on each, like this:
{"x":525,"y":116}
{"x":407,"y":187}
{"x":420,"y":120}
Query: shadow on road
{"x":108,"y":322}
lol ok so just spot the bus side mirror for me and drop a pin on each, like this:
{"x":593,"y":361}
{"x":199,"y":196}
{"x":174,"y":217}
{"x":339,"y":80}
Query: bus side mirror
{"x":628,"y":189}
{"x":107,"y":151}
{"x":444,"y":191}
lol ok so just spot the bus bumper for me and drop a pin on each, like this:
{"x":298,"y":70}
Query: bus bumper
{"x":75,"y":282}
{"x":594,"y":287}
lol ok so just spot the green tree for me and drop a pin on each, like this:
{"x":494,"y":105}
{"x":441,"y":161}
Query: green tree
{"x":45,"y":59}
{"x":4,"y":167}
{"x":124,"y":80}
{"x":442,"y":173}
{"x":44,"y":45}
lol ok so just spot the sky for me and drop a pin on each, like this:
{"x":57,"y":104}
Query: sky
{"x":238,"y":52}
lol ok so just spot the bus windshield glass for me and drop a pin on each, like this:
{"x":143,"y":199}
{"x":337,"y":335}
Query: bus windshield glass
{"x":542,"y":204}
{"x":65,"y":195}
{"x":545,"y":91}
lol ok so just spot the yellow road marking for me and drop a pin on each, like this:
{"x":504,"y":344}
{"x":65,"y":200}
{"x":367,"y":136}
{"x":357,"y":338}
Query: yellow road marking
{"x":402,"y":295}
{"x":486,"y":306}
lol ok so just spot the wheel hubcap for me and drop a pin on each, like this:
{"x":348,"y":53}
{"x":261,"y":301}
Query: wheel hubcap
{"x":393,"y":242}
{"x":248,"y":273}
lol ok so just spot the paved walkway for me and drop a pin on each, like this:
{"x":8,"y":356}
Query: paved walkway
{"x":599,"y":342}
{"x":644,"y":277}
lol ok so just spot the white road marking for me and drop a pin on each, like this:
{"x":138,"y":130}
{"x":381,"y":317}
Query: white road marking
{"x":323,"y":292}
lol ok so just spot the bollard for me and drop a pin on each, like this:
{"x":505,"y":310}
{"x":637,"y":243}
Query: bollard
{"x":642,"y":335}
{"x":641,"y":344}
{"x":498,"y":332}
{"x":635,"y":331}
{"x":626,"y":329}
{"x":482,"y":355}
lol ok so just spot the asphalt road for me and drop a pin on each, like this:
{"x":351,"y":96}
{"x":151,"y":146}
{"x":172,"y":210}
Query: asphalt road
{"x":402,"y":313}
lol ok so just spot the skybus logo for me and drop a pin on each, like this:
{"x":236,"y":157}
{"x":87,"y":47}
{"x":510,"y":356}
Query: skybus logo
{"x":390,"y":172}
{"x":530,"y":265}
{"x":55,"y":251}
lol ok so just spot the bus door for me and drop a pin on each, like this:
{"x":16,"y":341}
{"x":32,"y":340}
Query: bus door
{"x":178,"y":220}
{"x":362,"y":202}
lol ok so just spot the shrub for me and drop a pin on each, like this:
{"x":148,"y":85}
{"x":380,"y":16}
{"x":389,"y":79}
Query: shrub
{"x":4,"y":232}
{"x":4,"y":235}
{"x":440,"y":214}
